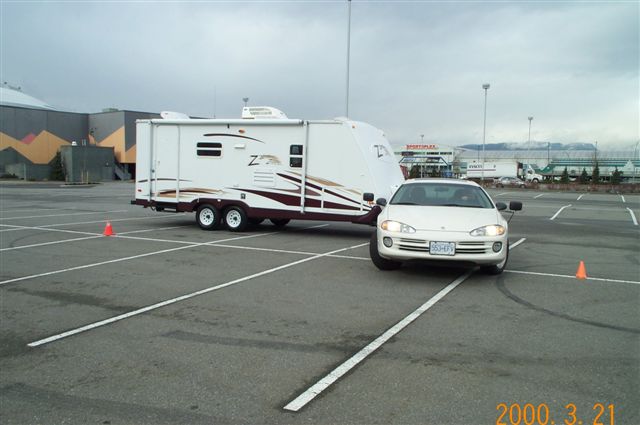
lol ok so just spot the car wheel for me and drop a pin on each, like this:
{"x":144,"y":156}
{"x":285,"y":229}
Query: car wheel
{"x":496,"y":269}
{"x":535,"y":180}
{"x":499,"y":185}
{"x":279,"y":223}
{"x":378,"y":261}
{"x":236,"y":219}
{"x":208,"y":217}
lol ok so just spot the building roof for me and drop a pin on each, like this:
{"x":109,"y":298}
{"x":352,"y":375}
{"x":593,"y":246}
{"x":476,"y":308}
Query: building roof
{"x":12,"y":97}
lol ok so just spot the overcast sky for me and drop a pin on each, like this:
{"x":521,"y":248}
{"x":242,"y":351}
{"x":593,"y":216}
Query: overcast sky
{"x":416,"y":67}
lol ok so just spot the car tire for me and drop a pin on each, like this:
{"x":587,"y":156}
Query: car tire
{"x":535,"y":181}
{"x":378,"y":261}
{"x":496,"y":269}
{"x":279,"y":222}
{"x":236,"y":219}
{"x":207,"y":217}
{"x":499,"y":185}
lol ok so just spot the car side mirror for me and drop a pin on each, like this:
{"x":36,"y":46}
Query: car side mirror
{"x":501,"y":206}
{"x":381,"y":201}
{"x":515,"y":205}
{"x":367,"y":197}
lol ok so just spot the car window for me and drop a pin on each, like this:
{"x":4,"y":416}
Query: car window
{"x":441,"y":194}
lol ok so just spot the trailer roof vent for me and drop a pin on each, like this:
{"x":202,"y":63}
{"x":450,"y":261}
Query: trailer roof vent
{"x":262,"y":112}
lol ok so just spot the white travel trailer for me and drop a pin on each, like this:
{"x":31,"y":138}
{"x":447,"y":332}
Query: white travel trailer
{"x":264,"y":166}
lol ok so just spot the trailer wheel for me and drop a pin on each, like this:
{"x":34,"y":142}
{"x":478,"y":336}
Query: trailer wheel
{"x":280,"y":222}
{"x":236,"y":219}
{"x":208,"y":217}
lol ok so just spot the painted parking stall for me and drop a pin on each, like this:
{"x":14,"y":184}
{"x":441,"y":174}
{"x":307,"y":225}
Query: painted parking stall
{"x":164,"y":320}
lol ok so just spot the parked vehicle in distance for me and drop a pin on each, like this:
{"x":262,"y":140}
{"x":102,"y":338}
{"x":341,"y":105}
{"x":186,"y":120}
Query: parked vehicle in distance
{"x":510,"y":182}
{"x":498,"y":169}
{"x":233,"y":172}
{"x":444,"y":220}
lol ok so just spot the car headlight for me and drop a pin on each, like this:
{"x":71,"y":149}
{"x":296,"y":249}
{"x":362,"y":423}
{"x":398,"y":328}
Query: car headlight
{"x":491,"y":230}
{"x":395,"y":226}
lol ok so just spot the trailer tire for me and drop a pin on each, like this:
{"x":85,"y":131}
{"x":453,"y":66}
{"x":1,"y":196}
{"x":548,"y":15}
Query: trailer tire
{"x":380,"y":262}
{"x":208,"y":217}
{"x":279,"y":222}
{"x":236,"y":219}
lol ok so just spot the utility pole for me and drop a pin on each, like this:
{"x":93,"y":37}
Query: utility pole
{"x":484,"y":129}
{"x":346,"y":108}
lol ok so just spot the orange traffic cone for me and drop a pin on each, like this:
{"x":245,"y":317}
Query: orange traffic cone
{"x":582,"y":271}
{"x":108,"y":230}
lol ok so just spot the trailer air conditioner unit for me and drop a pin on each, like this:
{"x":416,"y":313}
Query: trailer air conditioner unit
{"x":262,"y":112}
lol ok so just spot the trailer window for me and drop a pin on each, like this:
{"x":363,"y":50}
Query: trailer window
{"x":295,"y":160}
{"x":209,"y":149}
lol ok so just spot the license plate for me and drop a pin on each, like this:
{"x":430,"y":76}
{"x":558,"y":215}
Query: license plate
{"x":442,"y":248}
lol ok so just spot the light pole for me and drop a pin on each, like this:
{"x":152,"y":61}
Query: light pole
{"x":484,"y":129}
{"x":529,"y":143}
{"x":346,"y":113}
{"x":245,"y":100}
{"x":633,"y":161}
{"x":422,"y":139}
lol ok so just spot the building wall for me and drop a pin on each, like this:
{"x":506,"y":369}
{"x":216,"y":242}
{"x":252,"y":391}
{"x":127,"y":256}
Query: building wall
{"x":87,"y":164}
{"x":32,"y":137}
{"x":36,"y":135}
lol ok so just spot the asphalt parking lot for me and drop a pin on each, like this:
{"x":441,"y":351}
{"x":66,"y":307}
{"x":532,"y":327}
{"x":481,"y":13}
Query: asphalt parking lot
{"x":166,"y":323}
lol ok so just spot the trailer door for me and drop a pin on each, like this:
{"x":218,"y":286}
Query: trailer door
{"x":165,"y":164}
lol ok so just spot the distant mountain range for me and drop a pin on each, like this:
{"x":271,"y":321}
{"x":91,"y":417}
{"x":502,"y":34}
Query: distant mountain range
{"x":534,"y":146}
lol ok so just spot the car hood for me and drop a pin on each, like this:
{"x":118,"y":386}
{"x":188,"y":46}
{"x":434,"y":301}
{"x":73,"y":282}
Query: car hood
{"x":450,"y":219}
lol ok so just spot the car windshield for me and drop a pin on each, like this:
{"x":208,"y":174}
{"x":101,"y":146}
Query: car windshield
{"x":441,"y":194}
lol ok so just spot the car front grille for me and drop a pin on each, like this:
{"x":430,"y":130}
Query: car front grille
{"x":474,"y":247}
{"x":465,"y":247}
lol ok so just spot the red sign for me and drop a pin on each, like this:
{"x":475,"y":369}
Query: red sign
{"x":421,"y":147}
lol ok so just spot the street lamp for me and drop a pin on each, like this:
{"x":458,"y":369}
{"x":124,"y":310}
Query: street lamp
{"x":633,"y":161}
{"x":346,"y":101}
{"x":422,"y":138}
{"x":529,"y":145}
{"x":484,"y":128}
{"x":245,"y":100}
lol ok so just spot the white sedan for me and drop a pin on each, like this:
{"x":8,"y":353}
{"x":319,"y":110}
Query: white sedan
{"x":442,"y":219}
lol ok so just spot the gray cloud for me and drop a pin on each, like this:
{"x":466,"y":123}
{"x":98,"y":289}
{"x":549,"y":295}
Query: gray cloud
{"x":416,"y":67}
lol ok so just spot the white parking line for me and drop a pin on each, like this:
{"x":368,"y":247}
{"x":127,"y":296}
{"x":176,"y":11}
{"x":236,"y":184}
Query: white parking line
{"x":94,"y":236}
{"x":48,"y":226}
{"x":9,"y":210}
{"x":118,"y":260}
{"x":623,"y":200}
{"x":14,"y":227}
{"x":538,"y":196}
{"x":316,"y":389}
{"x":133,"y":257}
{"x":503,"y":193}
{"x":64,"y":215}
{"x":183,"y":297}
{"x":572,"y":277}
{"x":579,"y":197}
{"x":515,"y":244}
{"x":633,"y":217}
{"x":559,"y":211}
